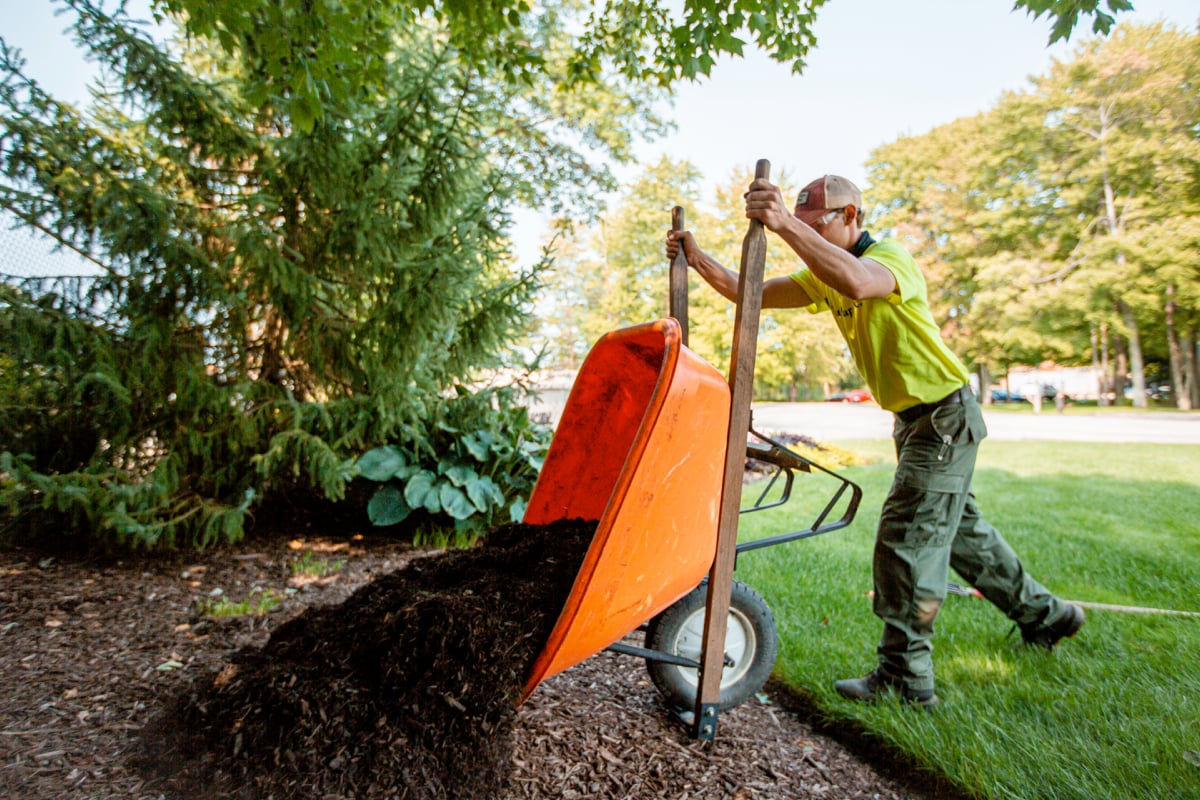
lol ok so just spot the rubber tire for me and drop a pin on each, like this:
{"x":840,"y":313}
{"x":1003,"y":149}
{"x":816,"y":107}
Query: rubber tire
{"x":751,"y":641}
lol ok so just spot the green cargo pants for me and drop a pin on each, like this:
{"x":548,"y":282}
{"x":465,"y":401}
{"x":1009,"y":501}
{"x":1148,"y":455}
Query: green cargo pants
{"x":931,"y":522}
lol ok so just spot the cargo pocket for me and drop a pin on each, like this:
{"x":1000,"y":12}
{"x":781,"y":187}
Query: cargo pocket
{"x":939,"y":453}
{"x":933,"y":476}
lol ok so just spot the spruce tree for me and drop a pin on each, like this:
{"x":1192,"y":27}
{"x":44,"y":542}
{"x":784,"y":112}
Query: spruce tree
{"x":273,"y":300}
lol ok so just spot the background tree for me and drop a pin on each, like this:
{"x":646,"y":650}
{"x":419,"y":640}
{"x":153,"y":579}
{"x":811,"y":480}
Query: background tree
{"x":1063,"y":218}
{"x":611,"y":273}
{"x":1118,"y":128}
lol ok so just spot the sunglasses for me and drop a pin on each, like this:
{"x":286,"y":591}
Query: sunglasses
{"x":828,"y":217}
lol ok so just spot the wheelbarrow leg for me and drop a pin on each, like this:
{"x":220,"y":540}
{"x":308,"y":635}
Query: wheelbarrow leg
{"x":741,"y":385}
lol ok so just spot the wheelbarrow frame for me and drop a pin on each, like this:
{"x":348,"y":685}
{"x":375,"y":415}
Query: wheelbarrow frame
{"x":703,"y":720}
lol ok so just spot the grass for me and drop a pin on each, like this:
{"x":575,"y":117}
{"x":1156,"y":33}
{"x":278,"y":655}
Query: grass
{"x":256,"y":605}
{"x":1114,"y":713}
{"x":308,"y":564}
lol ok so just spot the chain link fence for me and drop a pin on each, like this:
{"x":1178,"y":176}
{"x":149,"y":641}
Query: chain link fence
{"x":26,"y":253}
{"x":36,"y":267}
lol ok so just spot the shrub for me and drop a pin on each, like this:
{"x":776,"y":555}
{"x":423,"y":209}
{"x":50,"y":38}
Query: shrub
{"x":474,"y":471}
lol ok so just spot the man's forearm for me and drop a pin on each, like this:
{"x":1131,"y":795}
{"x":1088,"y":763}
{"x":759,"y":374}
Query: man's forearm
{"x":838,"y":269}
{"x":721,"y":278}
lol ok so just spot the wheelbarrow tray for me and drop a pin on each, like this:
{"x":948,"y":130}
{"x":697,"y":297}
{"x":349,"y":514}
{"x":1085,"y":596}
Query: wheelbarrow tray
{"x":640,"y":447}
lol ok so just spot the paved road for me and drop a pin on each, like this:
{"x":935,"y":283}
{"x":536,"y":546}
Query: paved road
{"x":834,"y":421}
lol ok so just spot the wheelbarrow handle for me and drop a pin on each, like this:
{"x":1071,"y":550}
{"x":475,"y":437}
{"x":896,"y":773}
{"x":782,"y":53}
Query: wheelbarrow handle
{"x":678,"y":279}
{"x":741,"y":387}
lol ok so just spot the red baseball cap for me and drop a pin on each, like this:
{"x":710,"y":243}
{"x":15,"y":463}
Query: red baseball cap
{"x":823,"y":194}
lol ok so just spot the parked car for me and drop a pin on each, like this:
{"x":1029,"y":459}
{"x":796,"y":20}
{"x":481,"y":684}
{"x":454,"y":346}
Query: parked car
{"x":1154,"y":391}
{"x":1159,"y":392}
{"x":1001,"y":395}
{"x":851,"y":396}
{"x":1028,"y":391}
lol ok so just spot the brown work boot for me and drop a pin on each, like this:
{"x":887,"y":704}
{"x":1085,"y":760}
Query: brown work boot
{"x":874,"y":686}
{"x":1047,"y":636}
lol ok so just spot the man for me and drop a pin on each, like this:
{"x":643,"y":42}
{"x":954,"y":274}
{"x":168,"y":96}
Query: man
{"x":930,"y":520}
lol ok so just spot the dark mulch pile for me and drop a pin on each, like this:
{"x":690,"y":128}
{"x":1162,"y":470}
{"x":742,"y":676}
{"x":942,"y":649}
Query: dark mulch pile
{"x":99,"y":656}
{"x":408,"y":688}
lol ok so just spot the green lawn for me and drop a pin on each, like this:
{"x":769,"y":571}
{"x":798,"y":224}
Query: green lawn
{"x":1113,"y":713}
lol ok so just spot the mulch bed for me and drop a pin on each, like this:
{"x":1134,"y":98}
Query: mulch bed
{"x":104,"y":657}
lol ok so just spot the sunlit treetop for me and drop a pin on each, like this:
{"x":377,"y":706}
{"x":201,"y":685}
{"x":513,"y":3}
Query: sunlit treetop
{"x":316,"y":51}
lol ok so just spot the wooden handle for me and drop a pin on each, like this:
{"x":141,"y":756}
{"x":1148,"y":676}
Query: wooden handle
{"x":741,"y":386}
{"x":677,"y":299}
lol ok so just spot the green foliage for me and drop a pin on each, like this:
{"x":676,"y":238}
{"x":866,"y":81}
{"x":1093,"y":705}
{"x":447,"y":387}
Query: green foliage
{"x":475,"y":468}
{"x":1066,"y":14}
{"x":275,"y":298}
{"x":258,"y":604}
{"x":311,"y":56}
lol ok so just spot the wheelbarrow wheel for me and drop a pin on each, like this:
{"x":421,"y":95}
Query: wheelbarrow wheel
{"x":751,"y":644}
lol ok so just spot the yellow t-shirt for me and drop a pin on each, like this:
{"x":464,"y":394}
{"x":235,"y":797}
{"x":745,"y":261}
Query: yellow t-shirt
{"x":894,"y":341}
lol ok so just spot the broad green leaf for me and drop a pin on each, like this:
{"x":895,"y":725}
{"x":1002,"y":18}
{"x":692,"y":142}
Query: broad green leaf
{"x":454,"y":502}
{"x":484,"y":493}
{"x":382,"y":463}
{"x":516,"y":509}
{"x":477,"y":444}
{"x":459,"y":474}
{"x":387,"y":506}
{"x":422,"y":492}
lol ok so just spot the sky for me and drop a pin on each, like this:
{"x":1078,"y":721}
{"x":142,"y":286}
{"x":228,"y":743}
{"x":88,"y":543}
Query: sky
{"x":881,"y":69}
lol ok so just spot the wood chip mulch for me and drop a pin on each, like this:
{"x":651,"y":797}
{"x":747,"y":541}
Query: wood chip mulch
{"x":91,"y":650}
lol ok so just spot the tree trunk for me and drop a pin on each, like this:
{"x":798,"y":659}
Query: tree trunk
{"x":1192,"y":350}
{"x":1182,"y":397}
{"x":1120,"y":368}
{"x":985,"y":383}
{"x":1137,"y":368}
{"x":1106,"y":385}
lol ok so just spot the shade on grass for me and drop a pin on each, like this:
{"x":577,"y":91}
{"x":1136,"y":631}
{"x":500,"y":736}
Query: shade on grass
{"x":1114,"y":713}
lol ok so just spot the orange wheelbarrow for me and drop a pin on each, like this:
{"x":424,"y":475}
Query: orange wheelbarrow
{"x":652,"y":443}
{"x":640,"y":448}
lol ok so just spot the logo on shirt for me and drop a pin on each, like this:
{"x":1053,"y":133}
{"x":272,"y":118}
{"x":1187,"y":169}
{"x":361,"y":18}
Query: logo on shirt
{"x":848,"y":311}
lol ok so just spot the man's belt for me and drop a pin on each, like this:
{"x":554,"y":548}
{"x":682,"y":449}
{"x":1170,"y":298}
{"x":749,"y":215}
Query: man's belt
{"x":914,"y":413}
